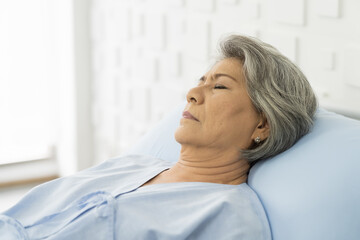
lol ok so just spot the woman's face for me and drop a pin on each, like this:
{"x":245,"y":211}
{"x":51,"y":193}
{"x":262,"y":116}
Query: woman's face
{"x":225,"y":115}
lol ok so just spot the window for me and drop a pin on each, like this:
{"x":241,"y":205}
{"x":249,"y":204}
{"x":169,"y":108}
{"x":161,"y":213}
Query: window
{"x":26,"y":94}
{"x":45,"y":88}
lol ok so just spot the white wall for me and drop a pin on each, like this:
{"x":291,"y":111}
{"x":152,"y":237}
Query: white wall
{"x":147,"y":53}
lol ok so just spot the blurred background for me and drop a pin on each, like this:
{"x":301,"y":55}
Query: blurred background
{"x":82,"y":80}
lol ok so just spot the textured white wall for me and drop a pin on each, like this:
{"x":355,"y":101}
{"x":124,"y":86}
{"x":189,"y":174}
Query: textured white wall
{"x":148,"y":53}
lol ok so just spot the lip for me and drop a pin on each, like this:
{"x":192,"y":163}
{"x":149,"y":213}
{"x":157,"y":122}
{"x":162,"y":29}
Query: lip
{"x":188,"y":115}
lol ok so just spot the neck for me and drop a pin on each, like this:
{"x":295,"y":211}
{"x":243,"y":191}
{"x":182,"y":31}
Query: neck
{"x":209,"y":165}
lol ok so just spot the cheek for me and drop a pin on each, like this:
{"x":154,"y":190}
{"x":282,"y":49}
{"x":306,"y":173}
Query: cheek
{"x":239,"y":122}
{"x":220,"y":109}
{"x":226,"y":114}
{"x":221,"y":123}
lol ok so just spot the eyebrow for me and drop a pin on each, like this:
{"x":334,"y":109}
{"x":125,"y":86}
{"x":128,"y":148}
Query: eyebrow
{"x":225,"y":75}
{"x":217,"y":75}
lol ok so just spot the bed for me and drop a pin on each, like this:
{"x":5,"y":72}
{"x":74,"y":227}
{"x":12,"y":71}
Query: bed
{"x":311,"y":191}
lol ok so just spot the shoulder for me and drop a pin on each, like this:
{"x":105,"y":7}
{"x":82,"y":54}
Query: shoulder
{"x":243,"y":211}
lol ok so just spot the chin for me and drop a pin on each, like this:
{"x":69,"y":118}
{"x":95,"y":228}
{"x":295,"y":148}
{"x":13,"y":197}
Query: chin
{"x":187,"y":136}
{"x":182,"y":135}
{"x":179,"y":135}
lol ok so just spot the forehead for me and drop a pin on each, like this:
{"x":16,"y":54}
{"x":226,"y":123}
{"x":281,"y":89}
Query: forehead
{"x":230,"y":66}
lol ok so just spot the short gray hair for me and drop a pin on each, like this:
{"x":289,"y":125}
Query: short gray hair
{"x":278,"y":89}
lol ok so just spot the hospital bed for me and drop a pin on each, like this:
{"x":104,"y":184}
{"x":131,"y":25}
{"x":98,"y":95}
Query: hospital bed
{"x":309,"y":192}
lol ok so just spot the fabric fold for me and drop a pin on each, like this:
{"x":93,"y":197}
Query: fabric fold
{"x":11,"y":229}
{"x":101,"y":202}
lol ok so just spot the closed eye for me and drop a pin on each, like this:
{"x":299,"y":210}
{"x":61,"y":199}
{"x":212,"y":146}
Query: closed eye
{"x":217,"y":86}
{"x":220,"y":87}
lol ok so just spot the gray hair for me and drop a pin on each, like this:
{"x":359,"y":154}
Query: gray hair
{"x":278,"y":89}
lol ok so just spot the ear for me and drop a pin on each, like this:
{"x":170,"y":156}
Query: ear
{"x":262,"y":130}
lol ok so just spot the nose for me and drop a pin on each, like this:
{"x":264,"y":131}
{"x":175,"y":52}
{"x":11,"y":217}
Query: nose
{"x":195,"y":95}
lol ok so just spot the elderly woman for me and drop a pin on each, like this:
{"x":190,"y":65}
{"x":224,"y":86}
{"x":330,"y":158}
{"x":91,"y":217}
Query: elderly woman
{"x":251,"y":105}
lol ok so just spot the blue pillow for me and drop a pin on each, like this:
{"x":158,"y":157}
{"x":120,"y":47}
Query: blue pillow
{"x":311,"y":191}
{"x":160,"y":141}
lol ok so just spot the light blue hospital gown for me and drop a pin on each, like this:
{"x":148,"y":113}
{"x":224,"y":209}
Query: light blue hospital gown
{"x":107,"y":202}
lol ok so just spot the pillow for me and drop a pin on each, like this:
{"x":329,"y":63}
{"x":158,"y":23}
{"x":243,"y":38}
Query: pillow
{"x":160,"y":141}
{"x":311,"y":191}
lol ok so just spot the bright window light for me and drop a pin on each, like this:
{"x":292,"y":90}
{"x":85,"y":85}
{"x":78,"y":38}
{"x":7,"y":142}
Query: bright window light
{"x":26,"y":126}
